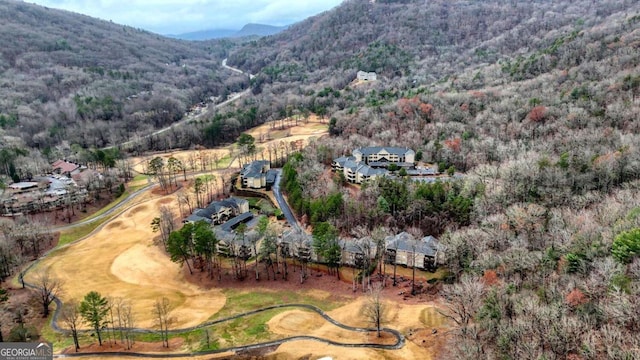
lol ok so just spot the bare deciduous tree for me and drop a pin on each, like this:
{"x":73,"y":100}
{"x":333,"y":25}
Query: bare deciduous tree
{"x":48,"y":288}
{"x":161,"y":310}
{"x":374,"y":308}
{"x":72,"y":319}
{"x":463,"y":300}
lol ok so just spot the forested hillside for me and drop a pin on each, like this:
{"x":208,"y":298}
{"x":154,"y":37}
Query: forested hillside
{"x":68,"y":78}
{"x":418,"y":40}
{"x":542,"y":122}
{"x":533,"y":103}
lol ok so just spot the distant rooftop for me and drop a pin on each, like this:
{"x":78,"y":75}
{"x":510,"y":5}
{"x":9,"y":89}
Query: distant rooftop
{"x":366,"y":151}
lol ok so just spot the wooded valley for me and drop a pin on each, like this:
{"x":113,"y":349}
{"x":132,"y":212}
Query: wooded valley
{"x":534,"y":103}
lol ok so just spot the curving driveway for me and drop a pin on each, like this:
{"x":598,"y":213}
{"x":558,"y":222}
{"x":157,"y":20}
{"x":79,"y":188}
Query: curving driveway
{"x":286,"y":210}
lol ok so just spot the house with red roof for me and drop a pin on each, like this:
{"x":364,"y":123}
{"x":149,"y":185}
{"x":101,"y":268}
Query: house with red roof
{"x":66,"y":168}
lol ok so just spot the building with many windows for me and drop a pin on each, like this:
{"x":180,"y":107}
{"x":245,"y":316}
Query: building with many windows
{"x":368,"y":163}
{"x":257,"y":175}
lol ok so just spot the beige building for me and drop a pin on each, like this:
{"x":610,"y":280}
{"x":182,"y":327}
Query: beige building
{"x":220,"y":211}
{"x":404,"y":249}
{"x":369,"y":163}
{"x":366,"y":76}
{"x":254,"y":174}
{"x":381,"y":156}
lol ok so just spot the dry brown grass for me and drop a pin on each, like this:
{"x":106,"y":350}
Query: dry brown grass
{"x":120,"y":260}
{"x":409,"y":319}
{"x":300,"y":133}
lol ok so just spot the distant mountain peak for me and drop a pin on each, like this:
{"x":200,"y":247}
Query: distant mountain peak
{"x":251,"y":29}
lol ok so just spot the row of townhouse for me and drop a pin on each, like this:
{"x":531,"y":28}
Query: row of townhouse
{"x":217,"y":212}
{"x":404,"y":249}
{"x":401,"y":249}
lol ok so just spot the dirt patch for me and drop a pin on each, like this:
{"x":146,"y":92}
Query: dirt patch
{"x":165,"y":201}
{"x":158,"y":191}
{"x":295,"y":322}
{"x":139,"y":346}
{"x":114,"y":225}
{"x":138,"y":209}
{"x":24,"y":302}
{"x":432,"y":318}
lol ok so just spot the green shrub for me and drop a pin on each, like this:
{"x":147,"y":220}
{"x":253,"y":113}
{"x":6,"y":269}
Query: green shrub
{"x":626,"y":246}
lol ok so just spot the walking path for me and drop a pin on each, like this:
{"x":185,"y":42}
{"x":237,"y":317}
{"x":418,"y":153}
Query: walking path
{"x":400,"y":340}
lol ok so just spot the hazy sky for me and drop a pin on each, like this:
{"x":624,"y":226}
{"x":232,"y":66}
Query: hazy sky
{"x":179,"y":16}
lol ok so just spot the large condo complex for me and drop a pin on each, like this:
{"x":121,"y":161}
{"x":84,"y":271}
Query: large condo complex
{"x":368,"y":163}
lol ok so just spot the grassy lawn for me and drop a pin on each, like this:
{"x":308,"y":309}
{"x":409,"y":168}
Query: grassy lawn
{"x":79,"y":232}
{"x":246,"y":330}
{"x":224,"y":162}
{"x":111,"y":205}
{"x":317,"y":126}
{"x":60,"y":341}
{"x":239,"y":301}
{"x":140,"y":177}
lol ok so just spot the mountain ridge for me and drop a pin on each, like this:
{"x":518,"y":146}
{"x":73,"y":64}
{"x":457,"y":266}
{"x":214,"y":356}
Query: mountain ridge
{"x":69,"y":78}
{"x":251,"y":29}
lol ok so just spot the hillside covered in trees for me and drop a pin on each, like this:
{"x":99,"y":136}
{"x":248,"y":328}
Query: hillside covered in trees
{"x":534,"y":102}
{"x":69,"y":79}
{"x":542,"y":119}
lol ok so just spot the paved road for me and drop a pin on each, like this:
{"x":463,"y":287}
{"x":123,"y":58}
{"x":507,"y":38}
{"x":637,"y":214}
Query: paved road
{"x":400,"y":340}
{"x":106,"y":213}
{"x":224,"y":65}
{"x":286,"y":210}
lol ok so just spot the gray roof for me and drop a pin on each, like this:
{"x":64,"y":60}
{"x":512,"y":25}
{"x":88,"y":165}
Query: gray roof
{"x":386,"y":163}
{"x":229,"y":237}
{"x":271,"y":176}
{"x":343,"y":159}
{"x":231,"y":202}
{"x":215,"y":207}
{"x":366,"y":151}
{"x":234,"y":222}
{"x":224,"y":236}
{"x":200,"y":214}
{"x":289,"y":236}
{"x":352,"y":165}
{"x":253,"y":169}
{"x":404,"y":241}
{"x":422,"y":172}
{"x":195,"y":217}
{"x":354,"y":246}
{"x":23,"y":185}
{"x":369,"y":171}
